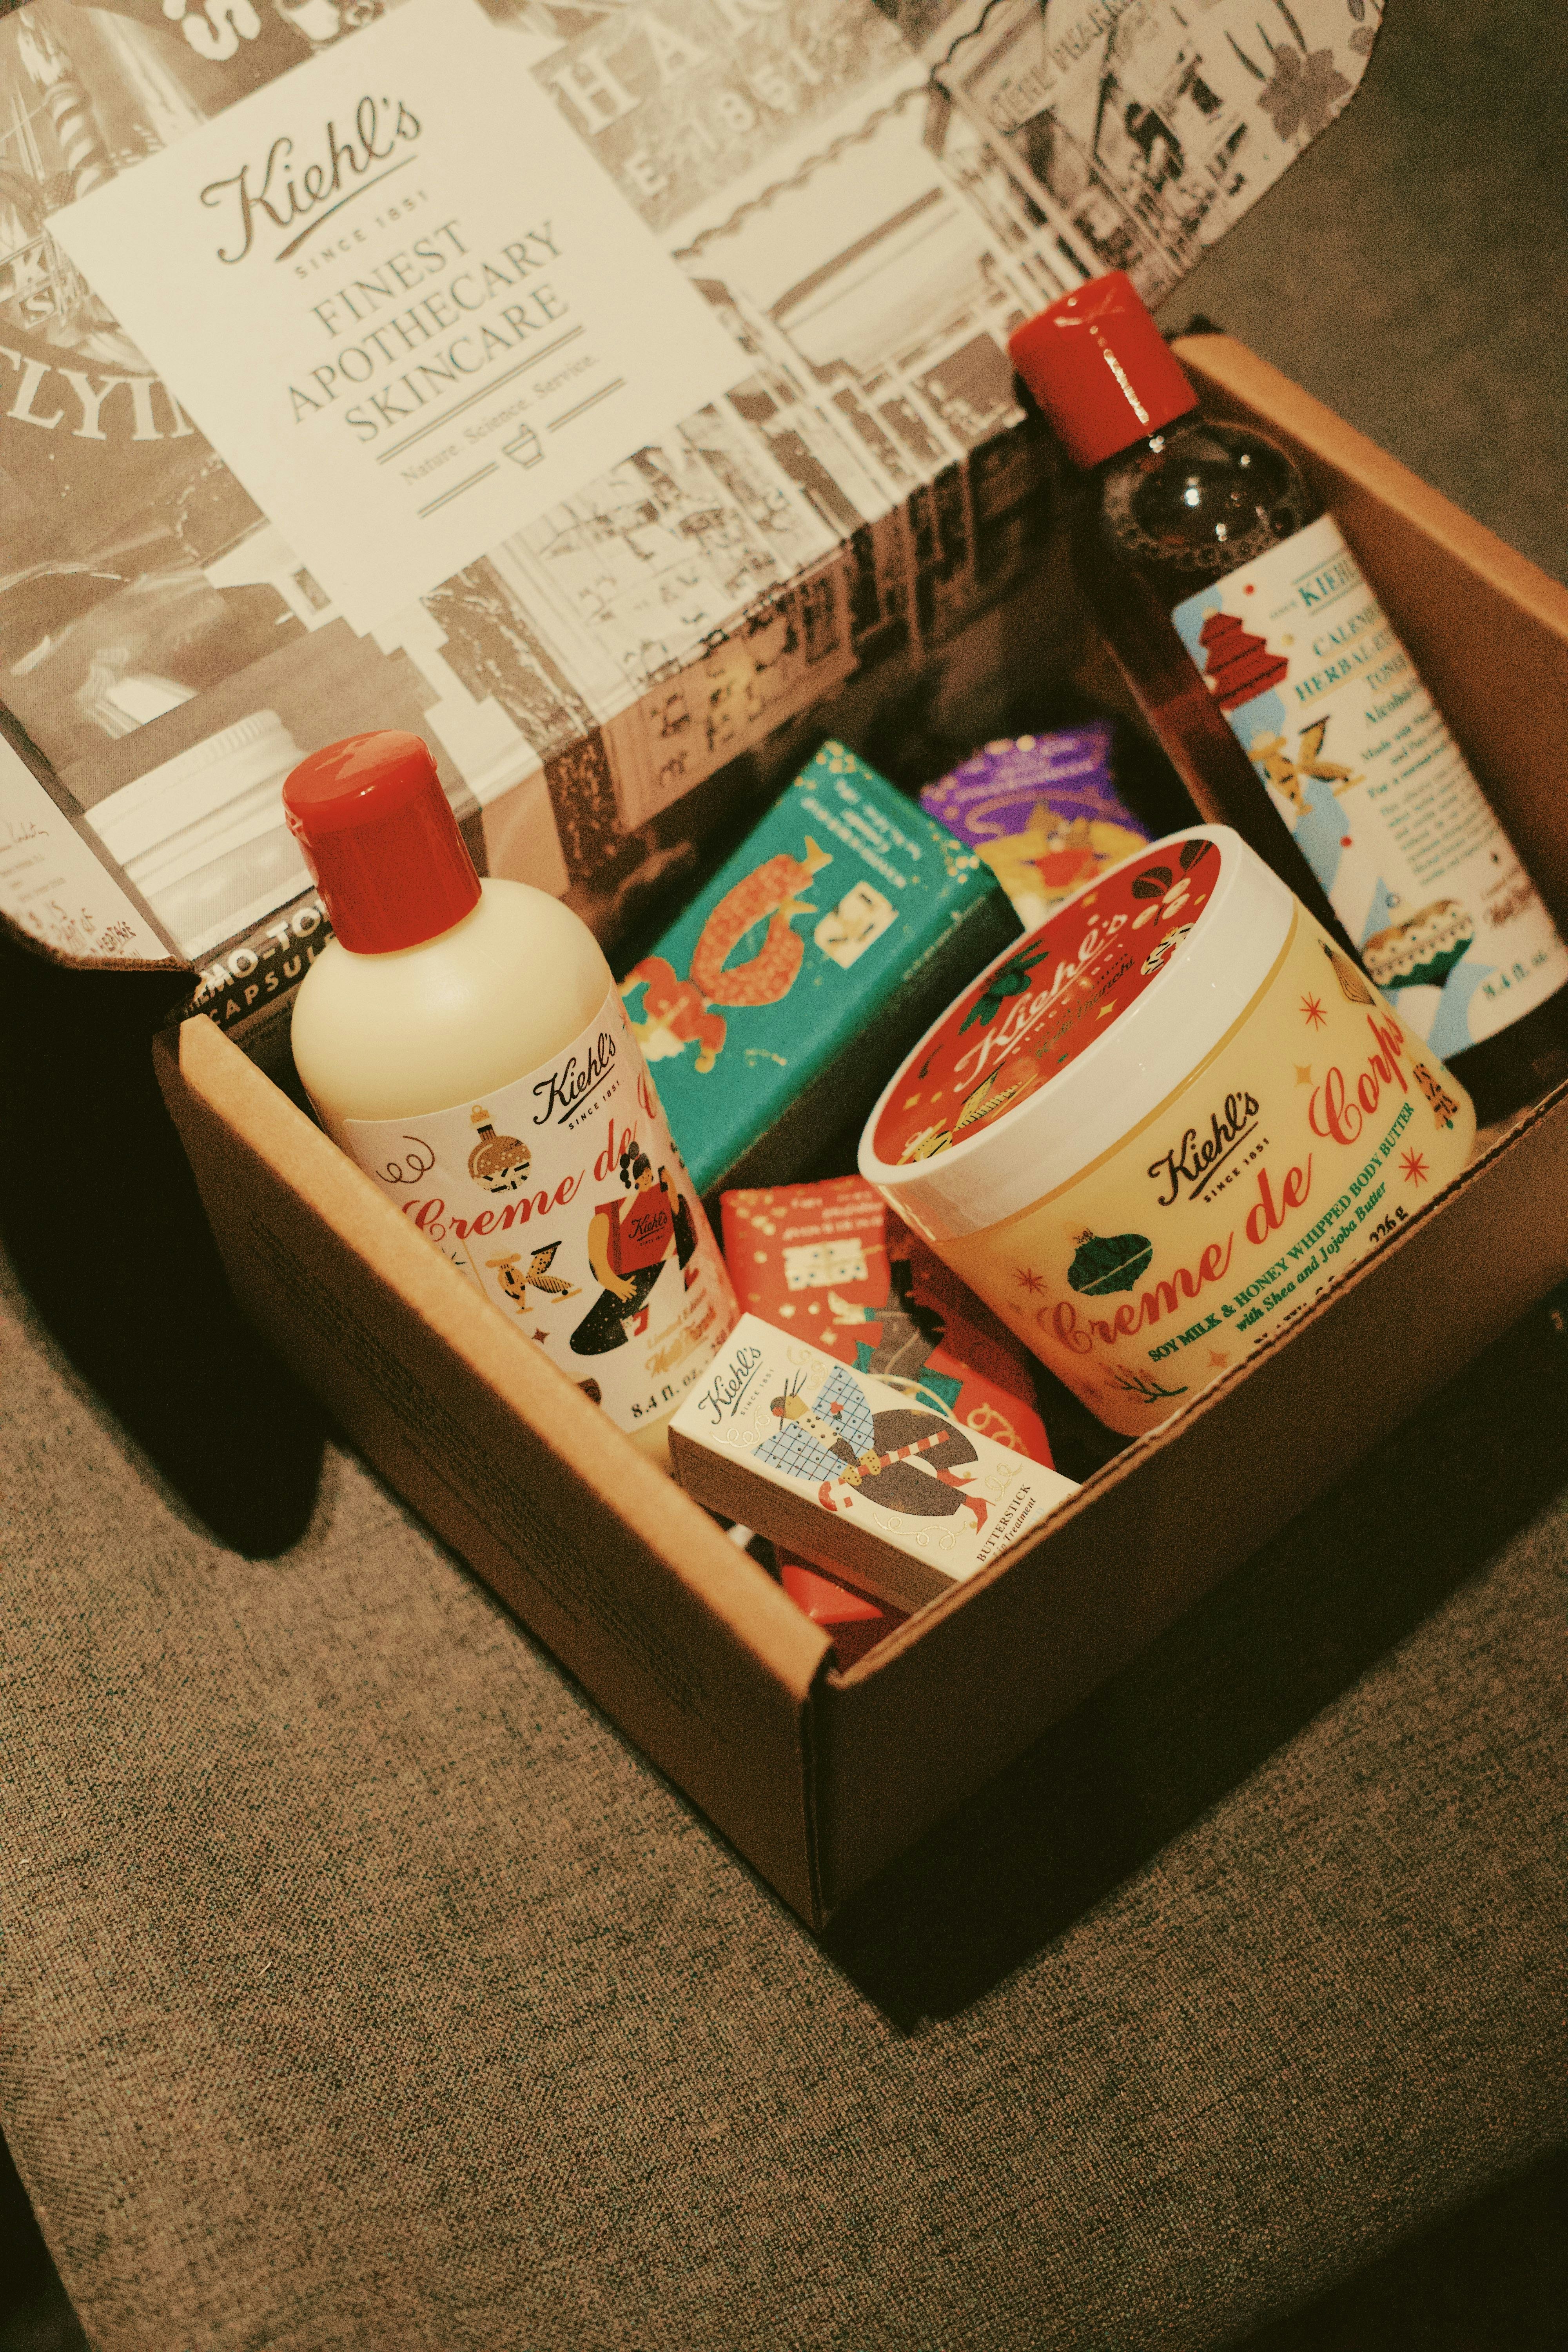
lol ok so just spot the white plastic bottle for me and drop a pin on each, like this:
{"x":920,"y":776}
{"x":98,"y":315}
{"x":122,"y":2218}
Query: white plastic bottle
{"x":464,"y":1042}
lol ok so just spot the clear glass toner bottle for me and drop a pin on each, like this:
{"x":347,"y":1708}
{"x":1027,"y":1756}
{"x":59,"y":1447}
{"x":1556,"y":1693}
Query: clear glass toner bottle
{"x":1265,"y":663}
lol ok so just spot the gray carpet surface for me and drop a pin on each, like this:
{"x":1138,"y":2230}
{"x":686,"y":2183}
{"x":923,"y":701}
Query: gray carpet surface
{"x":1409,"y":269}
{"x":362,"y":1987}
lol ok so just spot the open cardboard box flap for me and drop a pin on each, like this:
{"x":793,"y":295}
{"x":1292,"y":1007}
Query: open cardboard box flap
{"x":606,"y":658}
{"x":821,"y":1778}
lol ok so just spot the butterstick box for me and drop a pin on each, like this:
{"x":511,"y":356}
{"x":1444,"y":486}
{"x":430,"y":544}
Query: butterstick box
{"x":831,"y":1262}
{"x":822,"y":1778}
{"x":897,"y":1496}
{"x":842,"y":925}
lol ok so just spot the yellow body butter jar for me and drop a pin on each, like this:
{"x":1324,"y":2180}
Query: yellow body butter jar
{"x":1152,"y":1132}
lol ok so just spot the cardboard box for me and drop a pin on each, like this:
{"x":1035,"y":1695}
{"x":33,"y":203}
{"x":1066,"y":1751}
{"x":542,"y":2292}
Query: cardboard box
{"x":851,"y":537}
{"x":821,"y":1777}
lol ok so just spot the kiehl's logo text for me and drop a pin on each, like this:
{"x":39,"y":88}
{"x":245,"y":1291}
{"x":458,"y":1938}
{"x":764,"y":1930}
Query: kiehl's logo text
{"x":1193,"y":1164}
{"x":567,"y":1087}
{"x":284,"y":190}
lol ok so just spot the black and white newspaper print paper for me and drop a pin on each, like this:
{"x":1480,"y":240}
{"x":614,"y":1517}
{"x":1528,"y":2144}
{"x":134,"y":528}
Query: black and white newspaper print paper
{"x":865,"y":220}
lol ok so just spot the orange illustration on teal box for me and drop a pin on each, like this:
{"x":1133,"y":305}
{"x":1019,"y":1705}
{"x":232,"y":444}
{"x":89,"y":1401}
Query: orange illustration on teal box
{"x":844,"y":905}
{"x":676,"y":1012}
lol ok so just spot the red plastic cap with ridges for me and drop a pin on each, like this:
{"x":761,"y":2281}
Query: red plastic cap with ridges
{"x":1101,"y":369}
{"x":379,"y":835}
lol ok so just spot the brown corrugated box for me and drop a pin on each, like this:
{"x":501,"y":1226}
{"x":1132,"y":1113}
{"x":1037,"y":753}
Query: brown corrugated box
{"x":818,"y":1777}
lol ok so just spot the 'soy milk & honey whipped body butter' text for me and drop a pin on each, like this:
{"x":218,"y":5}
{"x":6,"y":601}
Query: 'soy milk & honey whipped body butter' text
{"x":1152,"y":1132}
{"x":464,"y":1042}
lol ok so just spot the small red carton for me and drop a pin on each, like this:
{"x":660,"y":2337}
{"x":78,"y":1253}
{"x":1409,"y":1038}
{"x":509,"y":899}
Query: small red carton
{"x":832,"y":1264}
{"x":852,"y":1622}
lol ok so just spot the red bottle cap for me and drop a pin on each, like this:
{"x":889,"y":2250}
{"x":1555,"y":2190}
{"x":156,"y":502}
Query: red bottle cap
{"x":379,"y":835}
{"x":1101,"y":369}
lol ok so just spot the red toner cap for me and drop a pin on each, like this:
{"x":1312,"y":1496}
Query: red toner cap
{"x":380,"y":837}
{"x":1101,"y":369}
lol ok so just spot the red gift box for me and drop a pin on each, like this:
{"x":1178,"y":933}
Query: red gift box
{"x":854,"y":1623}
{"x":833,"y":1262}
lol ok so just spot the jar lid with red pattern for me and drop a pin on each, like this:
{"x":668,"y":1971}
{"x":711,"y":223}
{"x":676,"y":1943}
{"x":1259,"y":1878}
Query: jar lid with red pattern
{"x":1077,"y":1033}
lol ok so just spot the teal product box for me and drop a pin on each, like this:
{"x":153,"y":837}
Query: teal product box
{"x":772,"y":1011}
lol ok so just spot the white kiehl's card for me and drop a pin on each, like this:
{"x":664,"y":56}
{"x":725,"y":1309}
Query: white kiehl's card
{"x":402,"y":300}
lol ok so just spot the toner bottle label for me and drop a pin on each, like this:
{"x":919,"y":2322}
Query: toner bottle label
{"x":1301,"y":659}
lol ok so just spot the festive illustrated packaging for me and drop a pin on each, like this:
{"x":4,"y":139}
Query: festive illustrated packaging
{"x":854,"y":1623}
{"x":832,"y":1264}
{"x":845,"y":915}
{"x":898,"y":1496}
{"x":577,"y":1222}
{"x":1293,"y":711}
{"x":1043,"y":811}
{"x":442,"y":1042}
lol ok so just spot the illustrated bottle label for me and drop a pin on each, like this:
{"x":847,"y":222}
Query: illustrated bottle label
{"x":562,"y":1195}
{"x":1357,"y":760}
